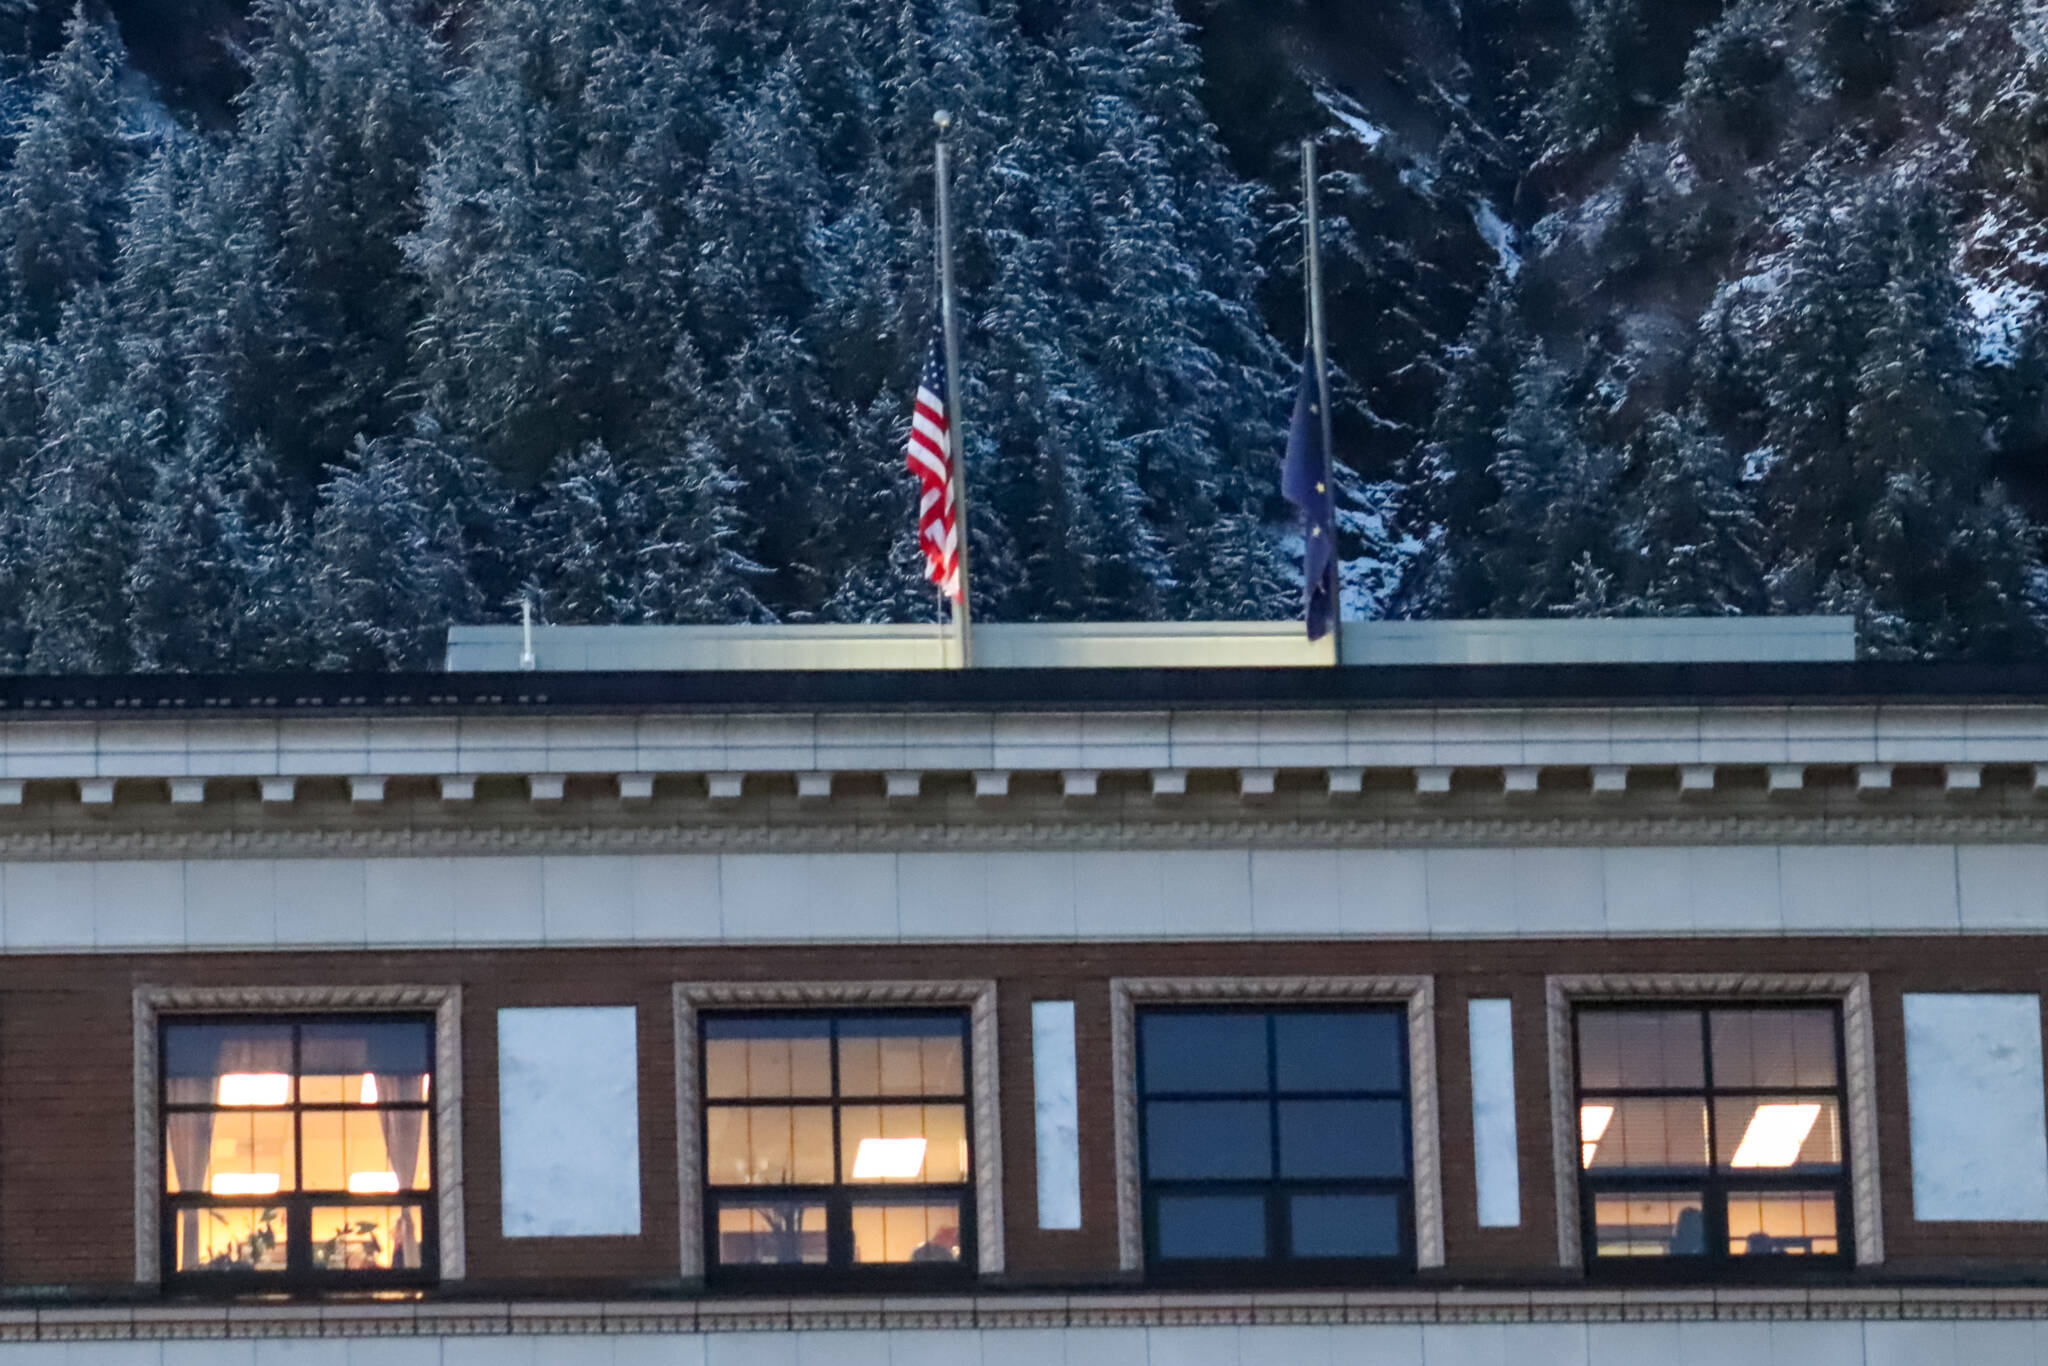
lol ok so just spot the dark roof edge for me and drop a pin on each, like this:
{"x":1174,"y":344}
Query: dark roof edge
{"x":1488,"y":685}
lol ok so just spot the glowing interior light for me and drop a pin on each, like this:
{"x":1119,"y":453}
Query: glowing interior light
{"x":884,"y":1159}
{"x":1593,"y":1122}
{"x":369,"y":1089}
{"x":244,"y":1183}
{"x":372,"y":1183}
{"x":253,"y":1088}
{"x":1775,"y":1135}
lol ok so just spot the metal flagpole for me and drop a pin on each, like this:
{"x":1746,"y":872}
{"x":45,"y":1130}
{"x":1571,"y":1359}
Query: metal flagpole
{"x":1315,"y":330}
{"x":956,"y":430}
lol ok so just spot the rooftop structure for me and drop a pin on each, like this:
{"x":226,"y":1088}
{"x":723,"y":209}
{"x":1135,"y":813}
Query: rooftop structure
{"x":1155,"y":645}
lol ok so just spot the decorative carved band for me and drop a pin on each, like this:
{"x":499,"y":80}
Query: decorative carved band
{"x":1417,"y":992}
{"x":1851,"y":989}
{"x":881,"y":832}
{"x":693,"y":998}
{"x":153,"y":1003}
{"x":1227,"y":1312}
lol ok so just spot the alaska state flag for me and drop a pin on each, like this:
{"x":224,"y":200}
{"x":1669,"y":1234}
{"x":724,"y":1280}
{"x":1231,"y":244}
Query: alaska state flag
{"x":1305,"y":480}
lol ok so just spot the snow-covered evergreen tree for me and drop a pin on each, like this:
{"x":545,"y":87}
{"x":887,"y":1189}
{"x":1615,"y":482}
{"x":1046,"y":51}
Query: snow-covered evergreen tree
{"x":61,"y":197}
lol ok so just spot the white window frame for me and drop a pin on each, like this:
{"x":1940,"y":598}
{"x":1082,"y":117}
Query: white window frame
{"x":693,"y":999}
{"x":154,"y":1004}
{"x":1417,"y":993}
{"x":1849,"y":990}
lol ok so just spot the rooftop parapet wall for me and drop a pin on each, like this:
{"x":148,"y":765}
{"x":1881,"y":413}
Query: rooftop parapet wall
{"x":1156,"y":645}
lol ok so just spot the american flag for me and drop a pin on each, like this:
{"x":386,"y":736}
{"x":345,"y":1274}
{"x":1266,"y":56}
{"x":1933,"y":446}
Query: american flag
{"x":930,"y":451}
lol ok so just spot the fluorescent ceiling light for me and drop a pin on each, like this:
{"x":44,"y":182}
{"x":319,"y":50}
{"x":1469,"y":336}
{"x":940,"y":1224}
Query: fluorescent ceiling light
{"x":244,"y":1183}
{"x":253,"y":1088}
{"x":1593,"y":1122}
{"x":1775,"y":1135}
{"x":372,"y":1183}
{"x":888,"y":1159}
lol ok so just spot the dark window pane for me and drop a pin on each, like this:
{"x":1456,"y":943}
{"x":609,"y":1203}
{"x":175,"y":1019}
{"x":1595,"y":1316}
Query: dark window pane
{"x":1338,"y":1051}
{"x":772,"y":1233}
{"x":384,"y":1047}
{"x":1345,"y":1225}
{"x":1782,"y":1224}
{"x":1342,"y":1138}
{"x":1663,"y":1224}
{"x":197,"y":1057}
{"x":1211,"y":1226}
{"x":1640,"y":1050}
{"x":1203,"y":1139}
{"x":1203,"y":1052}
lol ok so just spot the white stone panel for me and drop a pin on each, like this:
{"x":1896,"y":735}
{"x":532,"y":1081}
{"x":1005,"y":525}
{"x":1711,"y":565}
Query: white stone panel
{"x":1915,"y":1344}
{"x":1383,"y":892}
{"x":1497,"y":1159}
{"x":320,"y":901}
{"x":231,"y":903}
{"x":1471,"y":891}
{"x":675,"y":898}
{"x":1207,"y":892}
{"x":1559,"y":891}
{"x":1296,"y":891}
{"x":1030,"y":896}
{"x":1825,"y":888}
{"x":569,"y":1121}
{"x":410,"y":900}
{"x":1055,"y":1101}
{"x":1736,"y":890}
{"x":499,"y":901}
{"x":137,"y":904}
{"x":1913,"y":888}
{"x":1120,"y":895}
{"x":1974,"y":1090}
{"x":1790,"y":1344}
{"x":587,"y":899}
{"x":941,"y":896}
{"x":1647,"y":891}
{"x":2003,"y":886}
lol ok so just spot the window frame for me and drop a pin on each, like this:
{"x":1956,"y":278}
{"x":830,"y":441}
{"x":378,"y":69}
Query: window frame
{"x":299,"y":1275}
{"x":152,"y":1005}
{"x":1417,"y":993}
{"x":977,"y":998}
{"x":1850,"y":992}
{"x":1712,"y":1181}
{"x":841,"y":1195}
{"x":1275,"y":1190}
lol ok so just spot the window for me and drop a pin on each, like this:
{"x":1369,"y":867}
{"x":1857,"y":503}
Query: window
{"x":298,"y":1151}
{"x":837,"y":1141}
{"x":1274,"y":1136}
{"x":1712,"y":1136}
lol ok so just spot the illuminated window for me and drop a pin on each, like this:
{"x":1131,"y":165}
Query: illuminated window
{"x":837,"y":1140}
{"x":1274,"y":1136}
{"x":298,"y":1151}
{"x":1712,"y":1135}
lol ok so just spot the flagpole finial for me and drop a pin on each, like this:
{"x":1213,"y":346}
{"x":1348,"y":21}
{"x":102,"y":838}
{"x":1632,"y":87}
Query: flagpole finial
{"x":943,"y":118}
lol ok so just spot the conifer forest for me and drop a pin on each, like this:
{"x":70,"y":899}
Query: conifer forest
{"x":327,"y":323}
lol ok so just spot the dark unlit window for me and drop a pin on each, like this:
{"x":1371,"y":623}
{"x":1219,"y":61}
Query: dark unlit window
{"x":1711,"y":1135}
{"x":837,"y":1141}
{"x":1275,"y":1136}
{"x":298,"y":1151}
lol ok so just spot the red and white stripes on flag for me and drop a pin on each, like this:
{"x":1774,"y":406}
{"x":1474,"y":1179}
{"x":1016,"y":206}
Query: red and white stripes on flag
{"x":930,"y":451}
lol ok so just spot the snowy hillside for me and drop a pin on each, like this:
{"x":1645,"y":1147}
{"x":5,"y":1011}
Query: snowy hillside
{"x":326,"y":322}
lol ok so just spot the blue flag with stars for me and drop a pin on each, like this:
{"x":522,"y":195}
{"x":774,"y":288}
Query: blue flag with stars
{"x":1305,"y":480}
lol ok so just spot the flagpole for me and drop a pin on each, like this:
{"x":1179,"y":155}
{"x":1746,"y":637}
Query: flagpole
{"x":1311,"y":199}
{"x":963,"y":610}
